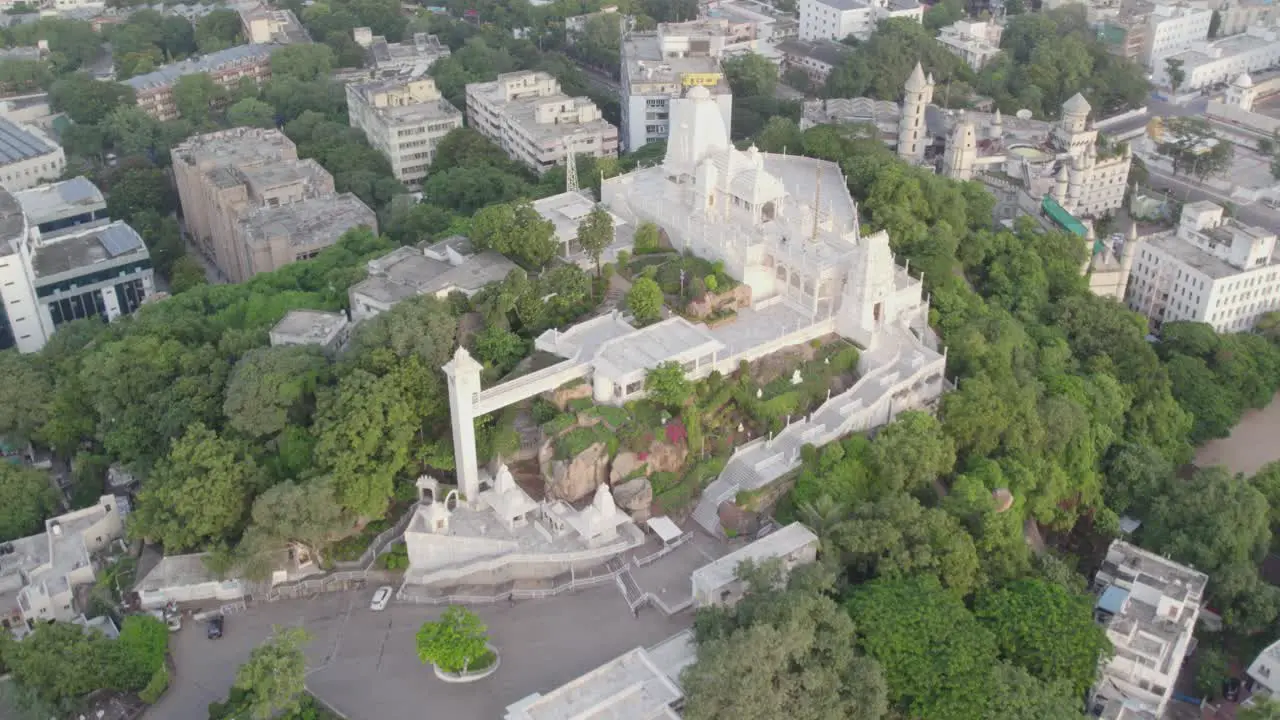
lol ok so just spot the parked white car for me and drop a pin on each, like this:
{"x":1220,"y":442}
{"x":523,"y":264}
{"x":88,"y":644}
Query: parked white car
{"x":381,"y":597}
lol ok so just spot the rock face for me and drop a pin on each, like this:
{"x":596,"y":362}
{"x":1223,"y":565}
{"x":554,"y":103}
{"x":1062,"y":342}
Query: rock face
{"x":665,"y":457}
{"x":561,"y":396}
{"x":736,"y":299}
{"x":625,"y":464}
{"x":574,"y":479}
{"x":634,"y":496}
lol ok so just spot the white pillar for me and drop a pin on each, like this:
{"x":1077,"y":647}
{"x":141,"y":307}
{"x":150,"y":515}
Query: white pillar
{"x":463,"y":373}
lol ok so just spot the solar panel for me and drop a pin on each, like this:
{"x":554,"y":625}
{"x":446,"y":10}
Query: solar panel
{"x":119,"y":239}
{"x":18,"y":144}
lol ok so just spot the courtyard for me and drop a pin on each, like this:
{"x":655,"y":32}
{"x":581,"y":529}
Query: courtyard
{"x":364,"y":663}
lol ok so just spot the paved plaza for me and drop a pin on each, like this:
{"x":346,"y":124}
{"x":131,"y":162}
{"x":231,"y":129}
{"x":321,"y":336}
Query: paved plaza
{"x":364,"y":663}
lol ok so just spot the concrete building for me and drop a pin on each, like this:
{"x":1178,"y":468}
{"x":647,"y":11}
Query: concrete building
{"x":527,"y":115}
{"x":183,"y":579}
{"x":254,"y":206}
{"x":326,"y":330}
{"x":404,"y":118}
{"x":642,"y":684}
{"x":816,"y":58}
{"x":1175,"y":27}
{"x":1235,"y":109}
{"x":1110,"y":264}
{"x":753,"y":26}
{"x":27,"y":157}
{"x":263,"y":25}
{"x":154,"y":90}
{"x":1212,"y":269}
{"x":39,"y":574}
{"x":384,"y":59}
{"x":661,"y":66}
{"x":566,"y":211}
{"x":975,"y":42}
{"x":1264,"y":672}
{"x":60,"y":205}
{"x":439,"y":269}
{"x":1240,"y":15}
{"x":718,"y":583}
{"x":1149,"y":605}
{"x":1221,"y":61}
{"x":838,"y":19}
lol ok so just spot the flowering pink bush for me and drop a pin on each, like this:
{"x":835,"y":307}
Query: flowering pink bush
{"x":676,"y":433}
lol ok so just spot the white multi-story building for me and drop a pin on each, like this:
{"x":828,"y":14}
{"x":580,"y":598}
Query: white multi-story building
{"x":663,"y":65}
{"x":384,"y":59}
{"x":838,"y":19}
{"x":1149,"y":605}
{"x":262,"y":24}
{"x":975,"y":42}
{"x":1212,"y":269}
{"x":39,"y":574}
{"x":1174,"y":27}
{"x":537,"y":124}
{"x":404,"y":118}
{"x":1221,"y":61}
{"x":1264,"y":671}
{"x":27,"y":157}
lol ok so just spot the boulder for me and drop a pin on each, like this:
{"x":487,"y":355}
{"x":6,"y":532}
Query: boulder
{"x":576,"y":478}
{"x":634,"y":496}
{"x":625,"y":464}
{"x":666,"y":457}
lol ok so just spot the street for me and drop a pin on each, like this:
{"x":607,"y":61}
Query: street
{"x":364,"y":663}
{"x":1181,"y":189}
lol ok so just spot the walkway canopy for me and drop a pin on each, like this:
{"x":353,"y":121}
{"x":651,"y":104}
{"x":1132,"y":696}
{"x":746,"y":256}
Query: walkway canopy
{"x":664,"y":528}
{"x":1061,"y":217}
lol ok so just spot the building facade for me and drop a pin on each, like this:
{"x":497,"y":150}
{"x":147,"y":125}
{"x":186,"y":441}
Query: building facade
{"x":1149,"y":606}
{"x":1212,"y":269}
{"x":815,"y":58}
{"x":662,"y":66}
{"x":404,"y":118}
{"x":253,"y":206}
{"x":975,"y":42}
{"x":154,"y":90}
{"x":1221,"y":61}
{"x":28,"y":157}
{"x":839,"y":19}
{"x":1174,"y":27}
{"x":527,"y":115}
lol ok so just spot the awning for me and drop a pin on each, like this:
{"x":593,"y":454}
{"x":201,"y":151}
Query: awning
{"x":664,"y":528}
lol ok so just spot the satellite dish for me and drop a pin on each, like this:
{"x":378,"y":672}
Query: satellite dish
{"x":1023,"y":114}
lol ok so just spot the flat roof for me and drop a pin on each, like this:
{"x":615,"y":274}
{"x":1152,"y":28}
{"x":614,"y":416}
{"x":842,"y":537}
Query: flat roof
{"x":825,"y":51}
{"x":776,"y":544}
{"x":18,"y":142}
{"x":650,"y":346}
{"x":84,"y":246}
{"x":447,"y":265}
{"x":434,"y":109}
{"x":316,"y":325}
{"x":314,"y":222}
{"x":644,"y":64}
{"x":12,"y":222}
{"x":176,"y":571}
{"x":56,"y":200}
{"x":1216,"y":268}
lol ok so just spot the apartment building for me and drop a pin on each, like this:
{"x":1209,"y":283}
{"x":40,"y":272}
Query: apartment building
{"x":254,"y":206}
{"x":404,"y":118}
{"x":537,"y":124}
{"x":1240,"y":15}
{"x":975,"y":42}
{"x":385,"y":59}
{"x":838,"y":19}
{"x":154,"y":90}
{"x":1221,"y":61}
{"x":816,"y":58}
{"x":1174,"y":27}
{"x":39,"y":574}
{"x":1149,"y":606}
{"x":62,"y":260}
{"x":28,"y":157}
{"x":263,"y":24}
{"x":662,"y":65}
{"x":1212,"y":269}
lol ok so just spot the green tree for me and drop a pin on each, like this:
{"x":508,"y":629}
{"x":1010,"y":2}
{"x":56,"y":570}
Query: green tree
{"x":1173,"y":68}
{"x":198,"y":494}
{"x":943,"y":14}
{"x":1046,"y":629}
{"x":139,"y":652}
{"x":1017,"y":695}
{"x":750,"y":74}
{"x":186,"y":273}
{"x":272,"y":387}
{"x":648,"y":237}
{"x":421,"y":326}
{"x":28,"y":391}
{"x":911,"y":452}
{"x":59,"y":662}
{"x":1211,"y":670}
{"x":595,"y":233}
{"x":517,"y":231}
{"x":218,"y":30}
{"x":1262,"y":709}
{"x":457,"y":642}
{"x":781,"y":652}
{"x":644,"y":300}
{"x":305,"y":513}
{"x":195,"y":95}
{"x":251,"y":112}
{"x":29,"y":500}
{"x":1184,"y":143}
{"x":666,"y":385}
{"x":302,"y":61}
{"x":500,"y":348}
{"x":136,"y":190}
{"x":780,"y":135}
{"x":274,"y":677}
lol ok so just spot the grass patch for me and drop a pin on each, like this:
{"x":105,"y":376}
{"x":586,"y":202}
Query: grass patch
{"x":580,"y":404}
{"x":559,"y":424}
{"x":615,"y":417}
{"x":576,"y":441}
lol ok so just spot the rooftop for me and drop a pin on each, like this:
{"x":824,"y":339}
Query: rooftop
{"x":176,"y":571}
{"x":12,"y":222}
{"x":567,"y":210}
{"x":311,"y":325}
{"x":415,"y":57}
{"x":226,"y":148}
{"x":448,"y":265}
{"x":435,"y":108}
{"x":824,"y":51}
{"x":19,"y":142}
{"x":644,"y":63}
{"x":315,"y":222}
{"x":779,"y":543}
{"x":642,"y":684}
{"x":845,"y":4}
{"x":54,"y":201}
{"x":1186,"y":252}
{"x":169,"y":74}
{"x":285,"y":28}
{"x":84,"y":246}
{"x":646,"y":348}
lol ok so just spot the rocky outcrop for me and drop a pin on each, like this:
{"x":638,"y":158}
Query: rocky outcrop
{"x":634,"y":496}
{"x":666,"y":457}
{"x":578,"y":477}
{"x":561,"y":396}
{"x":625,"y":465}
{"x":735,"y":299}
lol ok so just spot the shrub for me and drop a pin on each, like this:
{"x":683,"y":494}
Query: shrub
{"x":156,"y":687}
{"x":543,"y":410}
{"x":456,"y":642}
{"x":559,"y":424}
{"x":397,"y":558}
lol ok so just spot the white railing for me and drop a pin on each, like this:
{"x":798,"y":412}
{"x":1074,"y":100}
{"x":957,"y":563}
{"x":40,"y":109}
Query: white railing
{"x":380,"y":543}
{"x":641,"y":562}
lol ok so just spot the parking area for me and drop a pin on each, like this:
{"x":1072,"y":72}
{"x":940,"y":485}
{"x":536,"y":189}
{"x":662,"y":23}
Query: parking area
{"x":365,"y":665}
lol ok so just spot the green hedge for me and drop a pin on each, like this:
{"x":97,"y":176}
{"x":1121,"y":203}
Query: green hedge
{"x":156,"y":687}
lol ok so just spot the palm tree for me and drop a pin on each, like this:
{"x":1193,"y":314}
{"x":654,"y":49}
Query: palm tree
{"x":824,"y":516}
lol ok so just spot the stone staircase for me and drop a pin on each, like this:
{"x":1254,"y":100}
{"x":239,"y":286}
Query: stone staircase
{"x":631,"y":591}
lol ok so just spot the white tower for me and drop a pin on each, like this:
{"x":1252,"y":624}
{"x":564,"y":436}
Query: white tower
{"x":962,"y":151}
{"x":1241,"y":93}
{"x":913,"y":134}
{"x":463,"y":373}
{"x":1072,"y":134}
{"x":868,"y":293}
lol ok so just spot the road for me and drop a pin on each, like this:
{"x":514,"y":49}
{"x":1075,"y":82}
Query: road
{"x":1181,"y":189}
{"x":365,"y":665}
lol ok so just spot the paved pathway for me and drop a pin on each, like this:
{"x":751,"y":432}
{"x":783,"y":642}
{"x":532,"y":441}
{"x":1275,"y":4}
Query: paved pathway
{"x":364,"y":663}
